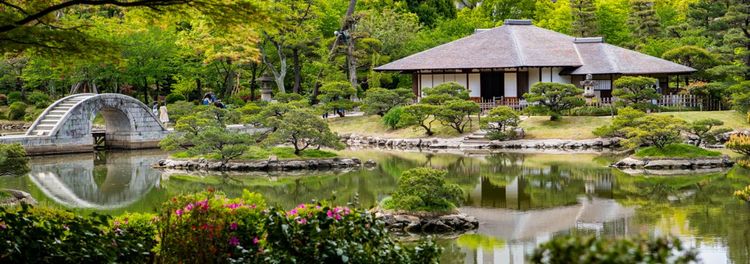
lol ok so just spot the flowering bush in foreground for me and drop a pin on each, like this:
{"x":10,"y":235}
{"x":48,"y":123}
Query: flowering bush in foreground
{"x":205,"y":227}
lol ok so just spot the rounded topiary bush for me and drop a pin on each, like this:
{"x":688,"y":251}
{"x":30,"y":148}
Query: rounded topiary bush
{"x":424,"y":190}
{"x":174,"y":97}
{"x":17,"y":111}
{"x":392,"y":118}
{"x":14,"y":97}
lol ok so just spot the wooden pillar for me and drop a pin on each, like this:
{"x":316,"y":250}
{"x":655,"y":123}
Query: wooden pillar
{"x":415,"y":85}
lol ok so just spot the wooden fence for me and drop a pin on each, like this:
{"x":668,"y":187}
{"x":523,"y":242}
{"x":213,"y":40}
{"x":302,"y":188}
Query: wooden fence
{"x":676,"y":102}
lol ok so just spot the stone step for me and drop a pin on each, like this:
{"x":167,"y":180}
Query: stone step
{"x":47,"y":122}
{"x":44,"y":127}
{"x":61,"y":112}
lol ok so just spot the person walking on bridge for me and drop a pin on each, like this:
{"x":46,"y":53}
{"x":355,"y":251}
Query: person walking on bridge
{"x":163,"y":116}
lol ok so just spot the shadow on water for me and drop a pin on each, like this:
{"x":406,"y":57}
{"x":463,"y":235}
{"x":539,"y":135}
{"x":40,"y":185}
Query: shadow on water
{"x":521,"y":200}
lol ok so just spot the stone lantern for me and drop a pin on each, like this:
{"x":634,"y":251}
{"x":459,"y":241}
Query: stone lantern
{"x":588,"y":88}
{"x":265,"y":87}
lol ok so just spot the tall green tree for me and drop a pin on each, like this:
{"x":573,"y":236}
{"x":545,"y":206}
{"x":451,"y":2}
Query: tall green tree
{"x":643,"y":19}
{"x":584,"y":18}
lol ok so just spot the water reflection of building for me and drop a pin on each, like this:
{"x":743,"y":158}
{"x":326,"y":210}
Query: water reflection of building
{"x":524,"y":230}
{"x":86,"y":181}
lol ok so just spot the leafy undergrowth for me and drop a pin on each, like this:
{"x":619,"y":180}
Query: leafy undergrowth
{"x":676,"y":151}
{"x":259,"y":153}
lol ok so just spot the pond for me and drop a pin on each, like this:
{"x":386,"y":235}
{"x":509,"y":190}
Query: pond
{"x":521,"y":200}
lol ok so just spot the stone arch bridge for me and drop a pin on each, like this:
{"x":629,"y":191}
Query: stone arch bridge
{"x":66,"y":125}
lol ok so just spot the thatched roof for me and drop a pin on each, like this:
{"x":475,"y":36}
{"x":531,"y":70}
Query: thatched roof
{"x":518,"y":43}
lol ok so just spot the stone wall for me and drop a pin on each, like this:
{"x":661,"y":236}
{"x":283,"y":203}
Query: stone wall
{"x":457,"y":143}
{"x":263,"y":165}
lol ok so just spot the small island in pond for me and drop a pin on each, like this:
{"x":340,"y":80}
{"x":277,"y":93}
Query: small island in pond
{"x":675,"y":157}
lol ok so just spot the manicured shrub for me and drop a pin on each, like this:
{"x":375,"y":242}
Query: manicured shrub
{"x":38,"y":235}
{"x":235,"y":101}
{"x":13,"y":160}
{"x":743,"y":194}
{"x":706,"y":131}
{"x":392,"y":119}
{"x":17,"y":111}
{"x":39,"y":99}
{"x":593,"y":111}
{"x":676,"y":151}
{"x":424,"y":189}
{"x":288,"y":97}
{"x":422,"y":115}
{"x":636,"y":91}
{"x":445,"y":92}
{"x":179,"y":109}
{"x":456,"y":114}
{"x":739,"y":143}
{"x":14,"y":97}
{"x":589,"y":250}
{"x":626,"y":117}
{"x":501,"y":123}
{"x":379,"y":101}
{"x":336,"y":96}
{"x":33,"y":114}
{"x":654,"y":130}
{"x":174,"y":97}
{"x":554,"y":98}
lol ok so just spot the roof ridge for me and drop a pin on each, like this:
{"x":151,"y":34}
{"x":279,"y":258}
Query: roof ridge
{"x":517,"y":47}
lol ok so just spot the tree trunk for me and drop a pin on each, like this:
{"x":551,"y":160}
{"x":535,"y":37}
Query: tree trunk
{"x":278,"y":75}
{"x":229,"y":80}
{"x":145,"y":90}
{"x":297,"y":68}
{"x":199,"y":88}
{"x":352,"y":65}
{"x":253,"y":85}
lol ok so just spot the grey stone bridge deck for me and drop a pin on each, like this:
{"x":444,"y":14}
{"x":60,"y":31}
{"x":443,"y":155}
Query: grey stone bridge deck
{"x":65,"y":126}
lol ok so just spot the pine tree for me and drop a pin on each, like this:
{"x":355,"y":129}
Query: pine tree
{"x":643,"y":19}
{"x":584,"y":18}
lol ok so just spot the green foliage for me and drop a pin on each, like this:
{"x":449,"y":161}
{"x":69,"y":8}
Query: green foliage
{"x":501,"y":123}
{"x":593,"y":111}
{"x":654,"y":130}
{"x":456,"y":114}
{"x":392,"y":119}
{"x":676,"y":151}
{"x":741,"y":96}
{"x":33,"y":114}
{"x":421,"y":115}
{"x":16,"y":111}
{"x":626,"y":117}
{"x":204,"y":133}
{"x":424,"y":190}
{"x":693,"y":56}
{"x":51,"y":236}
{"x":39,"y":99}
{"x":444,"y":92}
{"x":584,"y":18}
{"x":13,"y":160}
{"x":706,"y":130}
{"x":288,"y":97}
{"x":585,"y":250}
{"x":739,"y":143}
{"x":302,"y":129}
{"x":554,"y":98}
{"x":180,"y":109}
{"x":14,"y":96}
{"x":260,"y":153}
{"x":174,"y":97}
{"x":743,"y":194}
{"x":636,"y":91}
{"x":379,"y":101}
{"x":336,"y":96}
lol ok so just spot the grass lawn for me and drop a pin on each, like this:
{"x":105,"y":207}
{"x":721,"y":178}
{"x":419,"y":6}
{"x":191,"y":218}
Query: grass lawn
{"x":731,"y":119}
{"x":581,"y":127}
{"x":676,"y":151}
{"x":258,"y":153}
{"x":372,"y":126}
{"x":570,"y":127}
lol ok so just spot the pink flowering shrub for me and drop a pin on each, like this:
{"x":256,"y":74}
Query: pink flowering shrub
{"x":208,"y":227}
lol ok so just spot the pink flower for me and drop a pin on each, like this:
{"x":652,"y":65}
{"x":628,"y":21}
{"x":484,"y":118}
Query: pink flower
{"x":233,"y":206}
{"x":329,"y":214}
{"x":293,"y":212}
{"x":189,"y":207}
{"x":233,"y":226}
{"x":234,"y":241}
{"x":302,"y":221}
{"x":337,"y":217}
{"x":255,"y":241}
{"x":252,"y":206}
{"x":178,"y":212}
{"x":346,"y":210}
{"x":301,"y":206}
{"x":317,"y":207}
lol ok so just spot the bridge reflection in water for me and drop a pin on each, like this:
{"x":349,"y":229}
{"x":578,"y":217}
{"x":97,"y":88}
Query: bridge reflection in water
{"x":111,"y":180}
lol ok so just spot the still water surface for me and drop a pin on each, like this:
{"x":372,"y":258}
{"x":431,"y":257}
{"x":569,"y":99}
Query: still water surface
{"x":521,"y":199}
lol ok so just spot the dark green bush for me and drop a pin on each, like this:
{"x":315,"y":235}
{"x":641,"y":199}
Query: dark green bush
{"x":392,"y":118}
{"x":288,"y":97}
{"x":174,"y":97}
{"x":32,"y":115}
{"x":179,"y":109}
{"x":37,"y":235}
{"x":424,"y":189}
{"x":14,"y":97}
{"x":589,"y":250}
{"x":593,"y":111}
{"x":13,"y":160}
{"x":39,"y":99}
{"x":17,"y":111}
{"x":501,"y":123}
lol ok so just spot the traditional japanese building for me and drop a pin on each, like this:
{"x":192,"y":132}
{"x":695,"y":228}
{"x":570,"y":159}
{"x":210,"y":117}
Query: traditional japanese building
{"x":503,"y":62}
